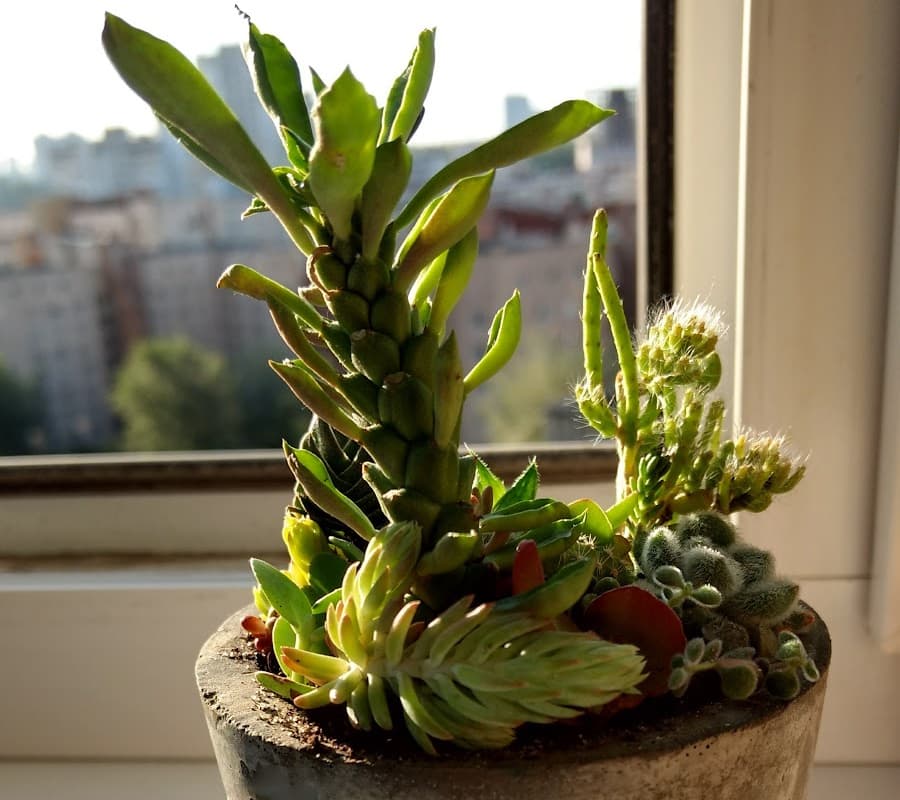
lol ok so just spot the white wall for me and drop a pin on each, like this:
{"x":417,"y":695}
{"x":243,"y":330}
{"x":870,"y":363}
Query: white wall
{"x":785,"y":218}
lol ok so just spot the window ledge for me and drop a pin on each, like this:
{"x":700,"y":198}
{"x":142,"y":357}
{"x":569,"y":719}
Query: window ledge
{"x":559,"y":462}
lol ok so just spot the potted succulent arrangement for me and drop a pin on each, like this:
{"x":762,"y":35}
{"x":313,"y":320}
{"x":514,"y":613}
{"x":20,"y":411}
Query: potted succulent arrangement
{"x":437,"y":632}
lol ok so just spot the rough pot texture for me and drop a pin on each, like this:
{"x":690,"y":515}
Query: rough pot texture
{"x":694,"y":748}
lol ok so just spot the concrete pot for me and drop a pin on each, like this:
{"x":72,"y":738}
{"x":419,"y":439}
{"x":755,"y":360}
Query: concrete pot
{"x":268,"y":750}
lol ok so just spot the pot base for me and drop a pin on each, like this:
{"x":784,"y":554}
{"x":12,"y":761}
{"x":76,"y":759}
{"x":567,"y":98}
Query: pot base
{"x":269,"y":750}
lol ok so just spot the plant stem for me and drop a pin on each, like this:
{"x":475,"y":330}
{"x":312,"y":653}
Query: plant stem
{"x":618,"y":324}
{"x":591,"y":319}
{"x":281,"y":207}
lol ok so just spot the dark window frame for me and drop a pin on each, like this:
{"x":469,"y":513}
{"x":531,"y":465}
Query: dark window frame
{"x":559,"y":463}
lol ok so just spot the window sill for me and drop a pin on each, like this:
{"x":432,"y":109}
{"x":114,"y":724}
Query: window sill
{"x":559,"y":462}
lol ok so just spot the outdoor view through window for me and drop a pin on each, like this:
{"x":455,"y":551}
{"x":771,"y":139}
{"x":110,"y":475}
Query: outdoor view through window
{"x":112,"y":335}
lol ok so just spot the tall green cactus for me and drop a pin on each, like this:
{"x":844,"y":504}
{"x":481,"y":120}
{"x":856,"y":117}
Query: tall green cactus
{"x":379,"y":293}
{"x":385,"y":380}
{"x":674,"y":456}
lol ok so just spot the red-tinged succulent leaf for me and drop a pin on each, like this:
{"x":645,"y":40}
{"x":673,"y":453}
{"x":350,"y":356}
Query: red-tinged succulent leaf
{"x":414,"y":632}
{"x":527,"y":570}
{"x":630,"y":615}
{"x":798,"y":622}
{"x":255,"y":626}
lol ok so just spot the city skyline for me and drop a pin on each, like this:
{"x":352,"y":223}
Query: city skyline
{"x":547,"y":58}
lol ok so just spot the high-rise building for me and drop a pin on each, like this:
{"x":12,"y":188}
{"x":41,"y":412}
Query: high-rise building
{"x":517,"y":109}
{"x":117,"y":164}
{"x":51,"y":333}
{"x":611,"y":145}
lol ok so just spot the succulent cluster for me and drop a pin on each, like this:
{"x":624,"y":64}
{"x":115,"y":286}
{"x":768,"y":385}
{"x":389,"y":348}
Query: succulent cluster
{"x":420,"y":586}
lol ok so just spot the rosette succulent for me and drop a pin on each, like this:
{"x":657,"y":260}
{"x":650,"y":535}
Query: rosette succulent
{"x":419,"y":586}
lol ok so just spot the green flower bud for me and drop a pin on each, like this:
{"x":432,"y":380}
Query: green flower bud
{"x":368,"y":278}
{"x":304,"y":540}
{"x":374,"y":354}
{"x":406,"y":403}
{"x":350,"y":310}
{"x":326,"y":271}
{"x":391,"y":315}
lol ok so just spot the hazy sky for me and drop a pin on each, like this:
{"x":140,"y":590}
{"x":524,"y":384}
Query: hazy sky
{"x":56,"y":79}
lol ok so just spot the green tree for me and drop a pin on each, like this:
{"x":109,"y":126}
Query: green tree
{"x":172,"y":394}
{"x":19,"y":413}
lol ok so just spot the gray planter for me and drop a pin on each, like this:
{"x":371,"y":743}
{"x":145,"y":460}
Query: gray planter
{"x":268,"y":750}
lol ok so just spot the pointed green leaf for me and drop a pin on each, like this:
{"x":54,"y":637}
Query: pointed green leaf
{"x":281,"y":685}
{"x":382,"y":192}
{"x":596,"y":521}
{"x":178,"y":93}
{"x":523,"y":488}
{"x":618,"y":513}
{"x":276,"y":79}
{"x":426,"y":282}
{"x":346,"y":126}
{"x":502,"y":343}
{"x":205,"y":157}
{"x":525,"y":514}
{"x":484,"y":477}
{"x":285,"y":596}
{"x":452,"y":218}
{"x":317,"y":83}
{"x":407,"y":96}
{"x":538,"y":134}
{"x":349,"y":549}
{"x":454,"y":279}
{"x":321,"y":605}
{"x":313,"y":476}
{"x":248,"y":281}
{"x":326,"y":572}
{"x":284,"y":635}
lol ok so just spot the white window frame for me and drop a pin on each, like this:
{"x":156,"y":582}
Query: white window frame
{"x":786,"y":156}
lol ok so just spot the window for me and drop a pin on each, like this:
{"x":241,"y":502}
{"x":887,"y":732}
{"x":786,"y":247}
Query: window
{"x":152,"y":229}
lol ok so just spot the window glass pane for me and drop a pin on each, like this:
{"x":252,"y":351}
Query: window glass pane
{"x":112,"y":237}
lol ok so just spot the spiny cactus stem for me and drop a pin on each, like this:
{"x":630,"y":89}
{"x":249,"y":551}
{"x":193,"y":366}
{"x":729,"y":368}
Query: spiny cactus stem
{"x":591,"y":320}
{"x":618,"y":324}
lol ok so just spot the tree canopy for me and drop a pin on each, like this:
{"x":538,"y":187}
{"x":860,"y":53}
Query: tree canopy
{"x":172,"y":394}
{"x":19,"y":413}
